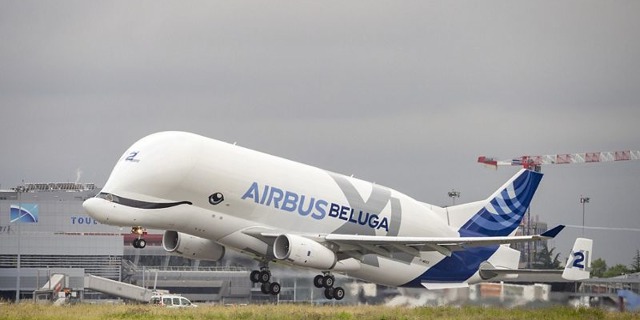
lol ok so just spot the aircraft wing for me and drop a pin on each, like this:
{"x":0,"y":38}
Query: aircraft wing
{"x":384,"y":245}
{"x":443,"y":245}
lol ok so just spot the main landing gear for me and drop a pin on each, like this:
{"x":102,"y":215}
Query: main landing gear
{"x":326,"y":281}
{"x":263,"y":276}
{"x":139,"y":242}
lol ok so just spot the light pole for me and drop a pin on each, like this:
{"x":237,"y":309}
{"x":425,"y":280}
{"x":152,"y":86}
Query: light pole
{"x":528,"y":232}
{"x":453,"y":194}
{"x":18,"y":258}
{"x":584,"y":201}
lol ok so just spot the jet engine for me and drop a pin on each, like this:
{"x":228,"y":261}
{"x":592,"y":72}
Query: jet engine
{"x":303,"y":252}
{"x":191,"y":247}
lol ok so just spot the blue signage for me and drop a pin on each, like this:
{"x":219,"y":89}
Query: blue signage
{"x":25,"y":213}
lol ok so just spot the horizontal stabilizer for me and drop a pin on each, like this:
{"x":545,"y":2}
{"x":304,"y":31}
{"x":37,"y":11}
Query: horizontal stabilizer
{"x":487,"y":272}
{"x":444,"y":285}
{"x":577,"y":268}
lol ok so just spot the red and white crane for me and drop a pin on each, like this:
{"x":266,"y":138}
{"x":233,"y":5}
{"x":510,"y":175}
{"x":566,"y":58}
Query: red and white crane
{"x":534,"y":162}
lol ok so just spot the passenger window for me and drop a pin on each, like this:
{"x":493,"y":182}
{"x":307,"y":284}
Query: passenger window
{"x":176,"y":301}
{"x":185,"y":302}
{"x":166,"y":301}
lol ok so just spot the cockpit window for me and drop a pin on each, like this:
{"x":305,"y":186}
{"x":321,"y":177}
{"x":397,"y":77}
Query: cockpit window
{"x":137,"y":203}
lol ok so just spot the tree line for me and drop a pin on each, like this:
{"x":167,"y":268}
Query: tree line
{"x":599,"y":267}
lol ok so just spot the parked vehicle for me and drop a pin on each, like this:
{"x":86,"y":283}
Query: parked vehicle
{"x":171,"y":301}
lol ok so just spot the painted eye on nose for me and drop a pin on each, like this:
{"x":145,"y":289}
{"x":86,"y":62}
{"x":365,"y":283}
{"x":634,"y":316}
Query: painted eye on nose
{"x":216,"y":198}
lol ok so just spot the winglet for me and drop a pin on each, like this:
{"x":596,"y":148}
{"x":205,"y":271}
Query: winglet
{"x":579,"y":263}
{"x":553,"y":232}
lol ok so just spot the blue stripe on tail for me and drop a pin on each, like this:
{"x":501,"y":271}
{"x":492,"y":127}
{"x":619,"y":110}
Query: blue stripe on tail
{"x":499,"y":217}
{"x":502,"y":215}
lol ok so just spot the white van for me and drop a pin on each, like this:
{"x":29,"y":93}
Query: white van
{"x":171,"y":301}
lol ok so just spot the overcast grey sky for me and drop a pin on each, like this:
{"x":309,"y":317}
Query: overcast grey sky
{"x":404,"y":93}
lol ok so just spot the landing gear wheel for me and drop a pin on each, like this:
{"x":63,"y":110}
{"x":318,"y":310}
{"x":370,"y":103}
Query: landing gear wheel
{"x":139,"y":232}
{"x":265,"y":276}
{"x":328,"y":293}
{"x":139,"y":243}
{"x":318,"y":281}
{"x":274,"y":288}
{"x":338,"y":293}
{"x":265,"y":288}
{"x":328,"y":281}
{"x":254,"y":276}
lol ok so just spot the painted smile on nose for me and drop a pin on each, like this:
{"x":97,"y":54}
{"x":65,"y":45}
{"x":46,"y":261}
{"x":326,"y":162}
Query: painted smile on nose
{"x":139,"y":204}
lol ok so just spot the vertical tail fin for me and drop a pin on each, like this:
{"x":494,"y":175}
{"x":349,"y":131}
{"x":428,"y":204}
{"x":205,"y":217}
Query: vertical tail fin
{"x":579,"y":263}
{"x":503,"y":211}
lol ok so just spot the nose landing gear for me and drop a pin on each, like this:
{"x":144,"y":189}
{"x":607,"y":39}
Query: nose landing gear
{"x":139,"y":242}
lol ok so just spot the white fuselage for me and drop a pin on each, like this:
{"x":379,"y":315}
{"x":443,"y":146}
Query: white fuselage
{"x":262,"y":192}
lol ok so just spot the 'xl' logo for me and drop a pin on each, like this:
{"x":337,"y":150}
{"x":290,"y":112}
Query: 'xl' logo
{"x":132,"y":156}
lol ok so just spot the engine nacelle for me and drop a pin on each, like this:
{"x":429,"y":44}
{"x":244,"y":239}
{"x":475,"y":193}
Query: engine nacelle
{"x":303,"y":252}
{"x":192,"y":247}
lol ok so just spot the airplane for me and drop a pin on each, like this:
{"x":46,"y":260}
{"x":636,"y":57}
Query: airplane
{"x":210,"y":195}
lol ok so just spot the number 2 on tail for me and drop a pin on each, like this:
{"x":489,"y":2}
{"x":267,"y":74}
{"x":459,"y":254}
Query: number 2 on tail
{"x":579,"y":259}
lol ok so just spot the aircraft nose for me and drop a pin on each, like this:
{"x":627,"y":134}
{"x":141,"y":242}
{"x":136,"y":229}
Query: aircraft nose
{"x":93,"y":207}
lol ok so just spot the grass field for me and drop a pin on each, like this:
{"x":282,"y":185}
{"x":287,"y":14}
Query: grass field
{"x":32,"y":311}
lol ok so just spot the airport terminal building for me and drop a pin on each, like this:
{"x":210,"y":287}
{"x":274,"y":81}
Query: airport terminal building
{"x":44,"y":230}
